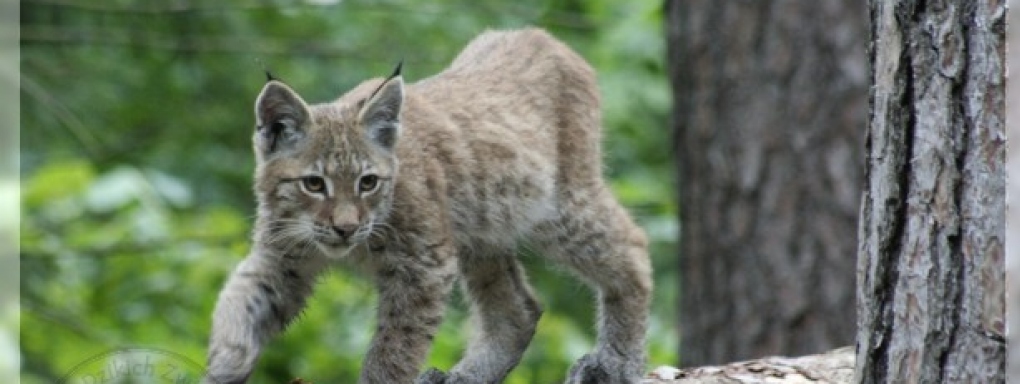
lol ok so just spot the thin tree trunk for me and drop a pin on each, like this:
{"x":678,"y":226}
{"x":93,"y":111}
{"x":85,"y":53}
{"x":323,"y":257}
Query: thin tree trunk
{"x":930,"y":273}
{"x":770,"y":111}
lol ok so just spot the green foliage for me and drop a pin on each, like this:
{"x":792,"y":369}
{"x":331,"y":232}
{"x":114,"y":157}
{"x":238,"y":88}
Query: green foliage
{"x":136,"y":164}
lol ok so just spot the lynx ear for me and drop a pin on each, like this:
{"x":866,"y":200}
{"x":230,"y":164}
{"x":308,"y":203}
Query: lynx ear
{"x":380,"y":117}
{"x":280,"y":117}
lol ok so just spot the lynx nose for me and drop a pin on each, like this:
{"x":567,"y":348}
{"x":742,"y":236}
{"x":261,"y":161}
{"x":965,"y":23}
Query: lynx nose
{"x":345,"y":230}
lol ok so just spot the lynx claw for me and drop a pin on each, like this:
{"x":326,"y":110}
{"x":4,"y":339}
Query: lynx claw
{"x":599,"y":369}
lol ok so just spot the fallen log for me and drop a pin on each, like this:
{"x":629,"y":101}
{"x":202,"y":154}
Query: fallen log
{"x":833,"y":367}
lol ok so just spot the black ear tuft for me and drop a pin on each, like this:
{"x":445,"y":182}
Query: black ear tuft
{"x":265,"y":68}
{"x":396,"y":74}
{"x":396,"y":71}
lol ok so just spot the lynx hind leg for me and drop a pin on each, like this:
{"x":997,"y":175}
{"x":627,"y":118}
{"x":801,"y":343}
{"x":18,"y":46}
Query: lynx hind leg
{"x":600,"y":243}
{"x":504,"y":312}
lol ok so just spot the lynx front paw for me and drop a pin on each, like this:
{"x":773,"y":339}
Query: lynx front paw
{"x":435,"y":376}
{"x":598,"y":368}
{"x":432,"y":376}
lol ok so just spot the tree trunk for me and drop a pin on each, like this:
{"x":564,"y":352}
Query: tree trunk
{"x":769,"y":122}
{"x":930,"y":273}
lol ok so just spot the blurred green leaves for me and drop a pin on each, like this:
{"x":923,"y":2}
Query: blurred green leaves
{"x":136,"y":168}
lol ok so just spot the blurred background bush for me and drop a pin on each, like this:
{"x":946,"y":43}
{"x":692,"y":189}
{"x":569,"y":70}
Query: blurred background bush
{"x":136,"y":164}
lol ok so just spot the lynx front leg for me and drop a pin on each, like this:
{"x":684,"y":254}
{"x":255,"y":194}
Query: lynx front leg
{"x":260,"y":298}
{"x":412,"y":298}
{"x":603,"y":246}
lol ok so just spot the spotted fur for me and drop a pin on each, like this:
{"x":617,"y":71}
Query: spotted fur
{"x":435,"y":182}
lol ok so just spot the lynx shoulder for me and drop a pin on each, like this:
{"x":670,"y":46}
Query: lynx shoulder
{"x":424,"y":184}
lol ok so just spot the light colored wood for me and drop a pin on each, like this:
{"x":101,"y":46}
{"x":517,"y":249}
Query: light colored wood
{"x":834,"y":367}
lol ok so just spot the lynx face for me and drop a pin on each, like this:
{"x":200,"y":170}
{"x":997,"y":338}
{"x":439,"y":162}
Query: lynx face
{"x":325,"y":173}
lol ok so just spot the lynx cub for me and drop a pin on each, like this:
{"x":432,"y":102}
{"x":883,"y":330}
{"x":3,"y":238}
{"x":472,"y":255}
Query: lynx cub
{"x":425,"y":184}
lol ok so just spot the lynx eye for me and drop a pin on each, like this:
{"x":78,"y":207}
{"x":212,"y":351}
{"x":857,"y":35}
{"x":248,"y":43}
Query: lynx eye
{"x":314,"y":184}
{"x":368,"y":183}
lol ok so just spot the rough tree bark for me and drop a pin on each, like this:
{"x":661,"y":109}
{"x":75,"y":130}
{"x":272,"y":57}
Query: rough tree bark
{"x":770,"y":111}
{"x":930,"y":273}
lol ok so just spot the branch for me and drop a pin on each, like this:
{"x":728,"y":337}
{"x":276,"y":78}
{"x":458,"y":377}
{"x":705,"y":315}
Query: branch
{"x":833,"y":367}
